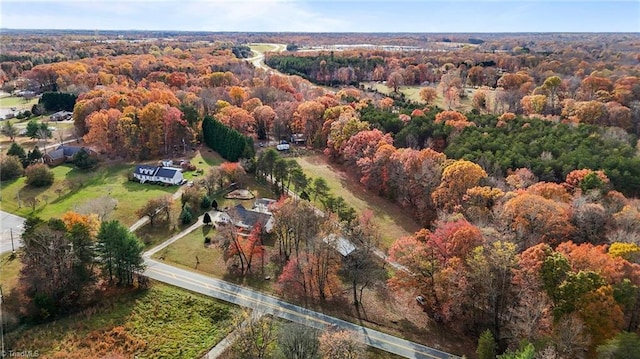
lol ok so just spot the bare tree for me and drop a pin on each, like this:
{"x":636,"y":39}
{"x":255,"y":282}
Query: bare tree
{"x":342,"y":344}
{"x":297,"y":341}
{"x":101,"y":206}
{"x":361,"y":267}
{"x":157,"y":208}
{"x":31,"y":202}
{"x":255,"y":337}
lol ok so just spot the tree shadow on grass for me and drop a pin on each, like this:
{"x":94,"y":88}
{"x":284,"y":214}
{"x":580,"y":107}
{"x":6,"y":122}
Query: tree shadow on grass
{"x":206,"y":230}
{"x":137,"y":186}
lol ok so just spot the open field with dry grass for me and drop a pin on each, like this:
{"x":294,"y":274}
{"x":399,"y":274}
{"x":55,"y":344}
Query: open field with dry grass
{"x":389,"y":217}
{"x":413,"y":93}
{"x":160,"y":322}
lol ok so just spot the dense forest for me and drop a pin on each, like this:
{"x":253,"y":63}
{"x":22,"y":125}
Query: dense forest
{"x":527,"y":200}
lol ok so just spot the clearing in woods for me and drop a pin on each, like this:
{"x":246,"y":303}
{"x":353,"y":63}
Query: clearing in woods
{"x":389,"y":217}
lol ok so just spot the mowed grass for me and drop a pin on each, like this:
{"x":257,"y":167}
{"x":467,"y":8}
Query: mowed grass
{"x":185,"y":250}
{"x":210,"y":260}
{"x":10,"y":266}
{"x":72,"y":188}
{"x":20,"y":102}
{"x":161,"y":322}
{"x":204,"y":159}
{"x":392,"y":222}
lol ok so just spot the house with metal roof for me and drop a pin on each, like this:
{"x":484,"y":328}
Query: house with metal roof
{"x":340,"y":243}
{"x":158,"y":174}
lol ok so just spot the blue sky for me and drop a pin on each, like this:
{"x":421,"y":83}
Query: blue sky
{"x":325,"y":16}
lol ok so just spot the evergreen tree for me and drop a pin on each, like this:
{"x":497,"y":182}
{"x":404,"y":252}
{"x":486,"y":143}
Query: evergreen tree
{"x":34,"y":156}
{"x":58,"y":101}
{"x":16,"y":150}
{"x":120,"y":252}
{"x":229,"y":143}
{"x":83,"y":160}
{"x":486,"y":346}
{"x":186,"y":216}
{"x":206,"y":219}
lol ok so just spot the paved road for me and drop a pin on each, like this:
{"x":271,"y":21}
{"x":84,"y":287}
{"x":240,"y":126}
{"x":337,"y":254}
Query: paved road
{"x":258,"y":59}
{"x":271,"y":305}
{"x":10,"y":224}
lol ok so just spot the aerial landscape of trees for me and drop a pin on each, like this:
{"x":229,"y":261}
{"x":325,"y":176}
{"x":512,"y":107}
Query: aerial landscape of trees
{"x":517,"y":156}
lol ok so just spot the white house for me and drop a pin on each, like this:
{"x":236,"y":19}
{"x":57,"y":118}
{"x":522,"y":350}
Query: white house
{"x":166,"y":175}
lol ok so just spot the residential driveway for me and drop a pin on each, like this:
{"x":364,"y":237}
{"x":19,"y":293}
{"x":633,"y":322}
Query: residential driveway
{"x":10,"y":225}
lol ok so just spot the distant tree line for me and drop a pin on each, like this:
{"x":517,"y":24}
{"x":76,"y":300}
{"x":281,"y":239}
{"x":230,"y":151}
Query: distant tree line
{"x":229,"y":143}
{"x":327,"y":69}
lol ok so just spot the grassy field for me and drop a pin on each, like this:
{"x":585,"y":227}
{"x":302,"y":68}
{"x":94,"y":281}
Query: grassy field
{"x":413,"y":93}
{"x":161,"y":322}
{"x":73,"y":187}
{"x":20,"y":102}
{"x":393,"y":223}
{"x":9,"y":271}
{"x":262,"y":47}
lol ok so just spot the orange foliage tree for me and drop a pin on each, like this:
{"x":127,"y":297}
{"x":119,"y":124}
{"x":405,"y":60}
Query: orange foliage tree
{"x":457,"y":178}
{"x":534,"y":219}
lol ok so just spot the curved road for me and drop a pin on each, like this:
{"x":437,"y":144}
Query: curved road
{"x":258,"y":59}
{"x":268,"y":304}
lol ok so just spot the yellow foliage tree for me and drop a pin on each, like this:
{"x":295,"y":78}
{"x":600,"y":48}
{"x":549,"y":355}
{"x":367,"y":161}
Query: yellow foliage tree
{"x":457,"y":178}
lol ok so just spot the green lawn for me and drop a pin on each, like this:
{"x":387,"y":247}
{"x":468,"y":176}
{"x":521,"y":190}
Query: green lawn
{"x":20,"y":102}
{"x":204,"y":159}
{"x":161,"y":322}
{"x":73,"y":187}
{"x":184,"y":251}
{"x":9,"y":271}
{"x":393,"y":223}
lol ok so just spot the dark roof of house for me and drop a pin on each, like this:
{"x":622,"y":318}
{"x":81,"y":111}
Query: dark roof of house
{"x":166,"y":172}
{"x":145,"y":170}
{"x":65,"y":151}
{"x":70,"y":150}
{"x":249,"y":218}
{"x":55,"y":154}
{"x":264,"y":201}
